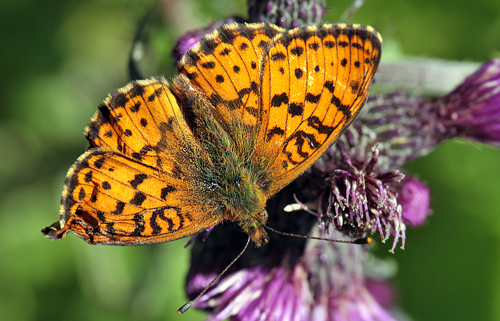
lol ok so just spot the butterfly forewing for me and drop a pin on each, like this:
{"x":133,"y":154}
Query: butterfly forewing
{"x":140,"y":120}
{"x":314,"y":82}
{"x":226,"y":67}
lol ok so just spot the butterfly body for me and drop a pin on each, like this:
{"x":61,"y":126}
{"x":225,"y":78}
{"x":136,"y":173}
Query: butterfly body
{"x":253,"y":107}
{"x":233,"y":176}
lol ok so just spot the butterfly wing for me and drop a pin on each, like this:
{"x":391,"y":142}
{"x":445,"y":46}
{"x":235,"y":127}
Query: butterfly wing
{"x":141,"y":120}
{"x":226,"y":67}
{"x":129,"y":188}
{"x":291,"y":93}
{"x":314,"y":82}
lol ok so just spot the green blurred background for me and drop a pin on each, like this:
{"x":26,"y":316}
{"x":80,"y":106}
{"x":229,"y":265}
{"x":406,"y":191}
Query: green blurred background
{"x":59,"y":59}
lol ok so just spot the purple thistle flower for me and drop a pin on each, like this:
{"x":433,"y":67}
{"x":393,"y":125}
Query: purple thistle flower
{"x":410,"y":126}
{"x":382,"y":291}
{"x":338,"y":280}
{"x":366,"y":190}
{"x":324,"y":281}
{"x":286,"y":13}
{"x":260,"y":293}
{"x":360,"y":196}
{"x":414,"y":197}
{"x":405,"y":126}
{"x":472,"y":110}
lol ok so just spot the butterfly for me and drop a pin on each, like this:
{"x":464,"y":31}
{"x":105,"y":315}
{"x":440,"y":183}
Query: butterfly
{"x":253,"y":107}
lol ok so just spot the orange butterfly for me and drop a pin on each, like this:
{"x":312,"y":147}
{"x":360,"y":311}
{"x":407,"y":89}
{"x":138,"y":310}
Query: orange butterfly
{"x":253,"y":107}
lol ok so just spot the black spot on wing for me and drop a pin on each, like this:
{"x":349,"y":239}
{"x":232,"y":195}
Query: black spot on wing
{"x":354,"y":86}
{"x":138,"y":199}
{"x":88,"y":176}
{"x":277,"y":100}
{"x":119,"y":207}
{"x":138,"y":179}
{"x":314,"y":46}
{"x":167,"y":190}
{"x":119,"y":100}
{"x":297,"y":51}
{"x":300,"y":137}
{"x":330,"y":86}
{"x":137,"y":90}
{"x":100,"y":216}
{"x":208,"y":65}
{"x":296,"y":109}
{"x":98,"y":163}
{"x":345,"y":109}
{"x":313,"y":98}
{"x":316,"y":123}
{"x":274,"y":131}
{"x":225,"y":52}
{"x":136,"y":107}
{"x":81,"y":194}
{"x":278,"y":56}
{"x":110,"y":229}
{"x":139,"y":225}
{"x":153,"y":96}
{"x":298,"y":73}
{"x":329,"y":44}
{"x":262,"y":44}
{"x":154,"y":224}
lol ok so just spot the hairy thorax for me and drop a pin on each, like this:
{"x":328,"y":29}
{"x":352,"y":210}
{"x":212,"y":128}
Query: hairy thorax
{"x":245,"y":202}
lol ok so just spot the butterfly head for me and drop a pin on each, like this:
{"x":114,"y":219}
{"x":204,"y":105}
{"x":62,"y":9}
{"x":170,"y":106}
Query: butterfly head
{"x":255,"y":228}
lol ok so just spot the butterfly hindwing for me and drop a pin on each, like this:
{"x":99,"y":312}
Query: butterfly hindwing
{"x":120,"y":192}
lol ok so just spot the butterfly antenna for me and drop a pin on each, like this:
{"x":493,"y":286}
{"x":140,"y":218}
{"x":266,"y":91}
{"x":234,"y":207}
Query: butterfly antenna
{"x":188,"y":305}
{"x":137,"y":50}
{"x":353,"y":8}
{"x":363,"y":240}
